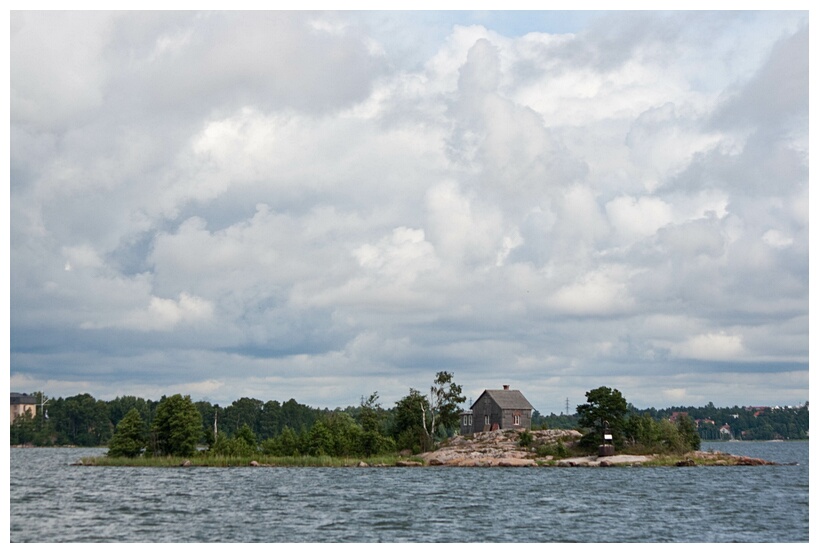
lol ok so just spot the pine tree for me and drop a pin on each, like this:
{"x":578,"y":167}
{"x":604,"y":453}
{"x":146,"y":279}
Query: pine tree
{"x":176,"y":428}
{"x":129,"y":438}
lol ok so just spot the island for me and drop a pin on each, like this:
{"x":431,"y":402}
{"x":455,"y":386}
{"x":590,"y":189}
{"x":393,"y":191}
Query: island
{"x":497,"y":448}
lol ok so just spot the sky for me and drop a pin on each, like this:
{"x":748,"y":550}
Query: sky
{"x":321,"y":205}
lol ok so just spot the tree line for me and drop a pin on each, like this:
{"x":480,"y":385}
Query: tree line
{"x":414,"y":423}
{"x":743,"y":423}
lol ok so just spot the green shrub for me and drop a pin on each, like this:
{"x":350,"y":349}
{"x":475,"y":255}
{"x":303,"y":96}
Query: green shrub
{"x":232,"y":447}
{"x":558,"y":450}
{"x":525,"y":439}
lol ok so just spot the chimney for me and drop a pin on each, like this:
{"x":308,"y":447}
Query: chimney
{"x":506,"y":386}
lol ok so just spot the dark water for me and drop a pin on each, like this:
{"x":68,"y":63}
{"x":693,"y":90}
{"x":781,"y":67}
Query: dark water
{"x":54,"y":502}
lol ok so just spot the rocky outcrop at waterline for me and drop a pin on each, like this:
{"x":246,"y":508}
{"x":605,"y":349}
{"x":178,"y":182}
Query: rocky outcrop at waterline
{"x":498,"y":448}
{"x":501,"y":448}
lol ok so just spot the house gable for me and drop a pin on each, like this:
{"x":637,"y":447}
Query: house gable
{"x":20,"y":404}
{"x":497,"y":409}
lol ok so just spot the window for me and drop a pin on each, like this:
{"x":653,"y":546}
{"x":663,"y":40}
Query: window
{"x":517,"y":420}
{"x":486,"y":420}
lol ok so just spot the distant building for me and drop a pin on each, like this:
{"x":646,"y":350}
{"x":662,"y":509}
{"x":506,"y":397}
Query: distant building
{"x":21,"y":403}
{"x":725,"y":431}
{"x":497,"y":409}
{"x":677,"y":414}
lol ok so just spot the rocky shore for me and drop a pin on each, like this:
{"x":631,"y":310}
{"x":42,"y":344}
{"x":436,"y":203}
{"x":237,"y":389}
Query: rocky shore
{"x":500,"y":448}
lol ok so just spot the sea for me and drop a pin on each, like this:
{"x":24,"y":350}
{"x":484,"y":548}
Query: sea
{"x":54,"y":501}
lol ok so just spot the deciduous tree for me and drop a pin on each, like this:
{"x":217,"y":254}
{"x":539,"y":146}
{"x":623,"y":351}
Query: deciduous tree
{"x":444,"y":404}
{"x":371,"y":416}
{"x":408,"y":426}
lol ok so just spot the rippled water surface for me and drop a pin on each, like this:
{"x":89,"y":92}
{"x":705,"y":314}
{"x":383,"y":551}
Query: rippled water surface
{"x":52,"y":501}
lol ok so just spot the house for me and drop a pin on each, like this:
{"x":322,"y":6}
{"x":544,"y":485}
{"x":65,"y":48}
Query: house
{"x":677,"y":414}
{"x":497,"y":409}
{"x":20,"y":403}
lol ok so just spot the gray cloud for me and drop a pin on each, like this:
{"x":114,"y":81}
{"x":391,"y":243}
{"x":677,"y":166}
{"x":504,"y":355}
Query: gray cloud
{"x":300,"y":204}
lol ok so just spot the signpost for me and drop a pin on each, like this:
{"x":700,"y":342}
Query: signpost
{"x":606,"y":449}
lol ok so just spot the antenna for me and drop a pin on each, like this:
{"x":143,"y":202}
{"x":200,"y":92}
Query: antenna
{"x":43,"y":413}
{"x":567,"y":406}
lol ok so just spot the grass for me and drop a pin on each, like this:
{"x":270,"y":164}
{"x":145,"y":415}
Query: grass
{"x":224,"y":461}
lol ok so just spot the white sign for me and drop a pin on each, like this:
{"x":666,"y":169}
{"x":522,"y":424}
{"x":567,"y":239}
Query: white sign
{"x":607,"y":436}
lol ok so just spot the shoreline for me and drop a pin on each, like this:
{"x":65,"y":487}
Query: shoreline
{"x":691,"y":459}
{"x":500,"y":448}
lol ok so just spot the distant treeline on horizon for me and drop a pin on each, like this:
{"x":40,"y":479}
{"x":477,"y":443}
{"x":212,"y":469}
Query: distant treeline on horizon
{"x":82,"y":420}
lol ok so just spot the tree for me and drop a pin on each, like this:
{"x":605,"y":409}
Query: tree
{"x":121,"y":405}
{"x":81,"y":420}
{"x":22,"y":429}
{"x":242,"y":411}
{"x":687,"y":430}
{"x":408,"y":427}
{"x":176,"y":428}
{"x":288,"y":442}
{"x":210,"y":421}
{"x":371,"y":416}
{"x":604,"y":408}
{"x":269,"y":423}
{"x":320,"y":440}
{"x":241,"y":444}
{"x":641,"y":429}
{"x":246,"y":435}
{"x":347,"y":434}
{"x":129,"y":437}
{"x":445,"y":400}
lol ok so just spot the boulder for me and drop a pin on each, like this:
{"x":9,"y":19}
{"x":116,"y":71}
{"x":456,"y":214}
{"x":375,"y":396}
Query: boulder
{"x":516,"y":462}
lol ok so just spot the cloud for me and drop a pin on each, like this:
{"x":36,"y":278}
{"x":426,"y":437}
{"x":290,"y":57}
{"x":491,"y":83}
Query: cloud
{"x":710,"y":347}
{"x":45,"y":72}
{"x":322,"y":204}
{"x":601,"y":292}
{"x":777,"y":239}
{"x":465,"y":230}
{"x":757,"y":103}
{"x":635,"y":218}
{"x":161,"y":314}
